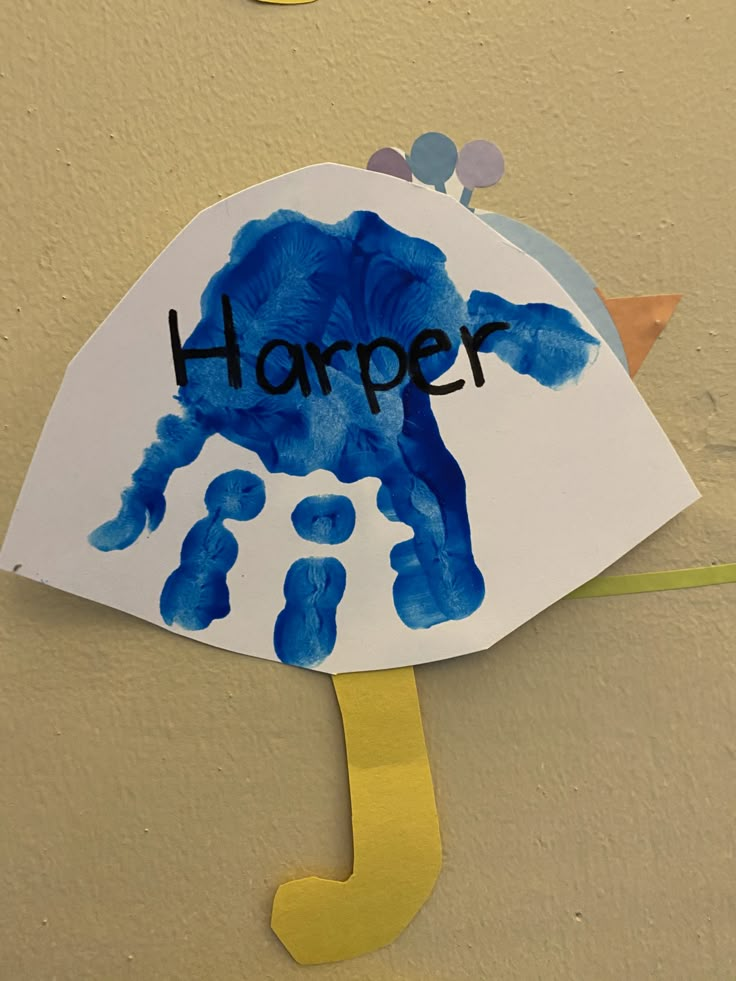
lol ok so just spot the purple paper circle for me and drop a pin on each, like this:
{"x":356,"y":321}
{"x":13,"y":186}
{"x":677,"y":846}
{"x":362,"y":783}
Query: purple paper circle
{"x":390,"y":161}
{"x":479,"y":164}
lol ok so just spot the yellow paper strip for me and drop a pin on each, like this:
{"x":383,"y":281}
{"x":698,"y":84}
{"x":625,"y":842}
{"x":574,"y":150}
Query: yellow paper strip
{"x":651,"y":582}
{"x":396,"y":837}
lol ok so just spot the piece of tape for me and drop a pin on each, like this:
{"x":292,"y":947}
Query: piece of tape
{"x":639,"y":321}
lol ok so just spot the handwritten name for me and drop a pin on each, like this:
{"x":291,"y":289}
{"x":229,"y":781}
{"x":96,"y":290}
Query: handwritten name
{"x":308,"y":363}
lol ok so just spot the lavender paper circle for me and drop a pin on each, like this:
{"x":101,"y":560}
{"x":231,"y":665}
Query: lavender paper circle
{"x":480,"y":164}
{"x":389,"y":161}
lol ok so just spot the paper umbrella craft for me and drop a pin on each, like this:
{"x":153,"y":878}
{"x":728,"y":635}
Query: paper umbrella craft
{"x":347,"y":424}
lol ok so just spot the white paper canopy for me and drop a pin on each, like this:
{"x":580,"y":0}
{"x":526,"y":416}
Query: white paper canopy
{"x":307,"y":495}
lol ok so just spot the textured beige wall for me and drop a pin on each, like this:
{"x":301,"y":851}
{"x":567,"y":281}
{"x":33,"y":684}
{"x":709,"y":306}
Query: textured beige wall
{"x":154,"y":792}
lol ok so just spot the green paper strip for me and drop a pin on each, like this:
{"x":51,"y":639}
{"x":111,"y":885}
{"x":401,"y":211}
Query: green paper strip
{"x":653,"y":582}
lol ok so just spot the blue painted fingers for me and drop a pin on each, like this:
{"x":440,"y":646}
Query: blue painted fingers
{"x":196,"y":593}
{"x":328,"y":519}
{"x":306,"y":629}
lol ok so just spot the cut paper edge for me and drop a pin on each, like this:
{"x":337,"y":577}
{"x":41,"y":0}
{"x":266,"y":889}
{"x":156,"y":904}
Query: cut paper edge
{"x":654,"y":582}
{"x":396,"y":835}
{"x":639,"y":321}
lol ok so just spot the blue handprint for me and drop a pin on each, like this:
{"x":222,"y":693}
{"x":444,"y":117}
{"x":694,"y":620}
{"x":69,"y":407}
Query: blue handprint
{"x":294,"y":285}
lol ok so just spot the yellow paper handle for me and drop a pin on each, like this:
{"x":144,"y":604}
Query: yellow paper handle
{"x":396,"y":836}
